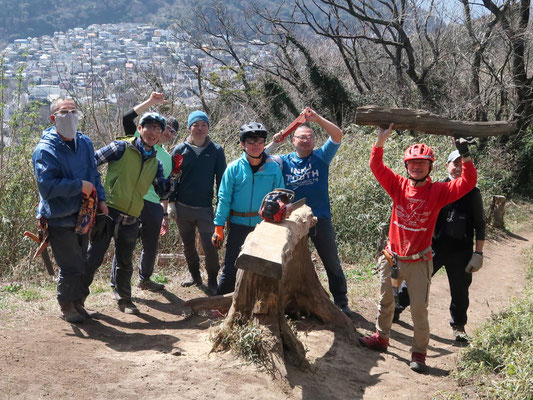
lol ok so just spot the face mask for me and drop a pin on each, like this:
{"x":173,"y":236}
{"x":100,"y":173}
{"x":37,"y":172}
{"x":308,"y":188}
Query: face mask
{"x":67,"y":125}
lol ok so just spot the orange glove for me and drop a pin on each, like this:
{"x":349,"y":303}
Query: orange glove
{"x":218,"y":236}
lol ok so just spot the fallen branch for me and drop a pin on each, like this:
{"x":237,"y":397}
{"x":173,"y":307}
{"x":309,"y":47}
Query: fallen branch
{"x":424,"y":121}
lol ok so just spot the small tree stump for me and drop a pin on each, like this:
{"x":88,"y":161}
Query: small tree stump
{"x":276,"y":274}
{"x":424,"y":121}
{"x":497,"y":211}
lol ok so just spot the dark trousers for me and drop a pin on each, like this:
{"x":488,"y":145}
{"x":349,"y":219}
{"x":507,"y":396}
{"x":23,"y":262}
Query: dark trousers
{"x":188,"y":220}
{"x":151,"y":218}
{"x":455,"y":263}
{"x":125,"y":237}
{"x":236,"y":237}
{"x":69,"y":250}
{"x":323,"y":237}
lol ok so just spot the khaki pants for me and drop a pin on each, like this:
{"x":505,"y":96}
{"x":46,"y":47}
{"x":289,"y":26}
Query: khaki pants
{"x":418,"y":278}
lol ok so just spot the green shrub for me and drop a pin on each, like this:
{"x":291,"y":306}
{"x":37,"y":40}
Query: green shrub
{"x":499,"y":361}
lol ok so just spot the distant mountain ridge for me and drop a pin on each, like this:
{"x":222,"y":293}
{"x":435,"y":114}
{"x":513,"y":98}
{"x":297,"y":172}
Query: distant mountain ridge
{"x":35,"y":18}
{"x":21,"y":19}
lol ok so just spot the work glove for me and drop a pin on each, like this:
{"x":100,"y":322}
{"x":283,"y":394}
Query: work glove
{"x":475,"y":263}
{"x":462,"y":143}
{"x":218,"y":236}
{"x":177,"y":160}
{"x":99,"y":229}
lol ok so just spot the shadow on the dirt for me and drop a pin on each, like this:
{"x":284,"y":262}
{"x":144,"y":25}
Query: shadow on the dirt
{"x":343,"y":372}
{"x":122,"y":341}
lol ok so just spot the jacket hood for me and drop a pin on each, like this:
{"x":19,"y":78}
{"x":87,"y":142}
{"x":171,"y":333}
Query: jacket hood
{"x":51,"y":137}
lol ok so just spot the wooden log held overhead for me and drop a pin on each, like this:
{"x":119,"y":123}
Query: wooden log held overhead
{"x":424,"y":121}
{"x":276,"y":275}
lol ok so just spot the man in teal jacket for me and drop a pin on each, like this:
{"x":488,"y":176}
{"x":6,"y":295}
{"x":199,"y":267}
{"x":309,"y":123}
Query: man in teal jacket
{"x":244,"y":184}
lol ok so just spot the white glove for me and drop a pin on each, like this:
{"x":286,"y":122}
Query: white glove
{"x":475,"y":263}
{"x":172,"y":210}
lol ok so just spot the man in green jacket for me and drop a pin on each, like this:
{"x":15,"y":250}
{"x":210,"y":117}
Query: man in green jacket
{"x":132,"y":168}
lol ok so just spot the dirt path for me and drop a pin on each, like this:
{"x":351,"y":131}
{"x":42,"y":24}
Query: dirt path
{"x":163,"y":353}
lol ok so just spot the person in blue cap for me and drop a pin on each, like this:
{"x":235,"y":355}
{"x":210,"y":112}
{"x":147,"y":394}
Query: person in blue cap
{"x":191,"y":202}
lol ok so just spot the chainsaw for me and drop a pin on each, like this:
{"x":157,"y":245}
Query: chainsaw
{"x":277,"y":205}
{"x":302,"y":118}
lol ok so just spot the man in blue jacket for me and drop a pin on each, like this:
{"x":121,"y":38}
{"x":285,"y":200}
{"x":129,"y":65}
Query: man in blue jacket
{"x":244,"y":184}
{"x":191,"y":202}
{"x":65,"y":170}
{"x":306,"y":172}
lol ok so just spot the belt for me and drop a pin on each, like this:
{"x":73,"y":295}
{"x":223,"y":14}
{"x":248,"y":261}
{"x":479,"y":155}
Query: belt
{"x":417,"y":256}
{"x":244,"y":214}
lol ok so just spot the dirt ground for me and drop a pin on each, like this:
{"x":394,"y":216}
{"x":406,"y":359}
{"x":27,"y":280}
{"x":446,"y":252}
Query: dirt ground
{"x":164,"y":352}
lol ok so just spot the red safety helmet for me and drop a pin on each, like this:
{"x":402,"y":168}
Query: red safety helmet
{"x":419,"y":151}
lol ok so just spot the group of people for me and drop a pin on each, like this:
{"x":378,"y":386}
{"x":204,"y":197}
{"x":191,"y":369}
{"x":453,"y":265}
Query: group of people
{"x":145,"y":184}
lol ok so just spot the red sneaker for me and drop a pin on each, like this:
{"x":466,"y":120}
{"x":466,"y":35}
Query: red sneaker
{"x":418,"y":362}
{"x":375,"y":342}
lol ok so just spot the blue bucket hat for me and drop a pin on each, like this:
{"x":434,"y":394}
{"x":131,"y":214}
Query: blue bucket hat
{"x":197,"y":116}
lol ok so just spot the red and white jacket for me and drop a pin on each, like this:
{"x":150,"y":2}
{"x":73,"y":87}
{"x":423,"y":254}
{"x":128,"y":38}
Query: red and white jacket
{"x":415,"y":209}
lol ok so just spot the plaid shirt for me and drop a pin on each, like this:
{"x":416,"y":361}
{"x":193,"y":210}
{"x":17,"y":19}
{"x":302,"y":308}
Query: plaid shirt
{"x":114,"y":152}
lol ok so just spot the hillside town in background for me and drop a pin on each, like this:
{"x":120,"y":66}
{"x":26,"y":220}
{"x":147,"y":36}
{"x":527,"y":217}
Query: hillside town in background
{"x":100,"y":62}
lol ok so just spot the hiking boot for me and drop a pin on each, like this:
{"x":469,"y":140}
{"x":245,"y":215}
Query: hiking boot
{"x":418,"y":362}
{"x":347,"y":310}
{"x":396,"y":317}
{"x":127,"y":307}
{"x":193,"y":280}
{"x":80,"y":308}
{"x":70,"y":314}
{"x":150,"y":285}
{"x":460,"y":334}
{"x":375,"y":342}
{"x":212,"y":286}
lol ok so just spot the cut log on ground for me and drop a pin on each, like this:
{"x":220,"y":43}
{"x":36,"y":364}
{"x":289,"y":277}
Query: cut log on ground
{"x":497,"y":211}
{"x":263,"y":296}
{"x":424,"y":121}
{"x":210,"y":303}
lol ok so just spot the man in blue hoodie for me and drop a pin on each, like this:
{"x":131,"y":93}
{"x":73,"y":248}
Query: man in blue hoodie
{"x":65,"y":171}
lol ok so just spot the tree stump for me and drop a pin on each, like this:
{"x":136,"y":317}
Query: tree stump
{"x":276,"y":275}
{"x":424,"y":121}
{"x":497,"y":211}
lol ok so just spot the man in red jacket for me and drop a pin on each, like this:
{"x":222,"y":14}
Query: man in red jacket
{"x":416,"y":204}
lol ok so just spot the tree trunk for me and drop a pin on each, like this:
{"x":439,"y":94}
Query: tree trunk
{"x":423,"y":121}
{"x":276,"y":275}
{"x":496,"y":212}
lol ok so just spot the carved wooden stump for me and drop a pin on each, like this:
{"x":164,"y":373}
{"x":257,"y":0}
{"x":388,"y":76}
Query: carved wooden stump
{"x":276,"y":274}
{"x":497,"y":211}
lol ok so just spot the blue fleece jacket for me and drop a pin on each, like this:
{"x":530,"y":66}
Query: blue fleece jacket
{"x":59,"y":170}
{"x":241,"y":190}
